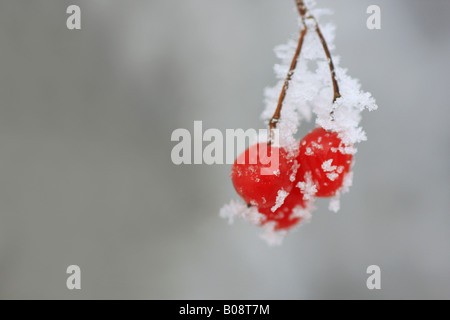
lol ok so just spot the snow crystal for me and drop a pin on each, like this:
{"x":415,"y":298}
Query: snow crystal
{"x":327,"y":167}
{"x":281,"y":196}
{"x":310,"y":89}
{"x":344,"y":149}
{"x":303,"y":214}
{"x":272,"y":237}
{"x":238,"y":208}
{"x":316,"y":145}
{"x":332,"y":176}
{"x":294,"y":169}
{"x":347,"y":183}
{"x":335,"y":203}
{"x":307,"y":187}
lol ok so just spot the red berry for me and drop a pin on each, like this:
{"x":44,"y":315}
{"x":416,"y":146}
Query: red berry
{"x":283,"y":216}
{"x":259,"y":173}
{"x":322,"y":155}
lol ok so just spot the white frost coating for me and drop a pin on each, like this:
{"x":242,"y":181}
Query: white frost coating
{"x":332,"y":176}
{"x":238,"y":208}
{"x":294,"y":169}
{"x":335,"y":203}
{"x":307,"y":187}
{"x":347,"y":183}
{"x":281,"y":196}
{"x":272,"y":237}
{"x":303,"y":214}
{"x":311,"y":92}
{"x":317,"y":145}
{"x":327,"y":167}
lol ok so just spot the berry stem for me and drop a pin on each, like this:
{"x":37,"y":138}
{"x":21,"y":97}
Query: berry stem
{"x":336,"y":94}
{"x":276,"y":116}
{"x":303,"y":11}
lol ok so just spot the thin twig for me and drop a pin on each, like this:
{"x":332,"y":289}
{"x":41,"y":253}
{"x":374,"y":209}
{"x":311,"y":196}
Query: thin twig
{"x":336,"y":94}
{"x":301,"y":8}
{"x":276,"y":116}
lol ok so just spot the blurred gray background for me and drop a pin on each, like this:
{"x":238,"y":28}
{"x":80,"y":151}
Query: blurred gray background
{"x":86,"y":177}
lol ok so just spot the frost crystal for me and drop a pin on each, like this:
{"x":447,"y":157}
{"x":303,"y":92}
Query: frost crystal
{"x":330,"y":169}
{"x":272,"y":237}
{"x":309,"y":152}
{"x":307,"y":187}
{"x":327,"y":167}
{"x":303,"y":214}
{"x":332,"y":176}
{"x":310,"y":89}
{"x":281,"y":195}
{"x":335,"y":203}
{"x":238,"y":208}
{"x":295,"y":167}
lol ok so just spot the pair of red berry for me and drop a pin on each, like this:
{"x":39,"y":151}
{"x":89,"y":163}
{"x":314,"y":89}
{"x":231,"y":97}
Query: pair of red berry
{"x":318,"y":169}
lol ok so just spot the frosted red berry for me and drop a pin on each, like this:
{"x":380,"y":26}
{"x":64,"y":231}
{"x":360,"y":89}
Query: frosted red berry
{"x":323,"y":155}
{"x":259,"y":173}
{"x":284,"y":216}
